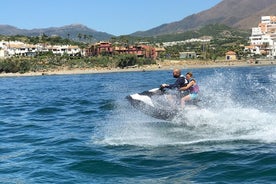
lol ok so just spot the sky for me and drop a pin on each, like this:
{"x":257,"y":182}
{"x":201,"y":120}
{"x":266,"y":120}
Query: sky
{"x":116,"y":17}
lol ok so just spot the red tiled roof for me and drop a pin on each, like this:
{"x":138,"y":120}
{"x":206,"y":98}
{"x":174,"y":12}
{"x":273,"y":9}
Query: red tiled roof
{"x":230,"y":53}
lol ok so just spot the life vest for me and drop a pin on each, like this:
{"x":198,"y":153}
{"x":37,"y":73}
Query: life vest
{"x":185,"y":82}
{"x":193,"y":88}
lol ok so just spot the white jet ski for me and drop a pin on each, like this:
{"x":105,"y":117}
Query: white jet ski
{"x":155,"y":103}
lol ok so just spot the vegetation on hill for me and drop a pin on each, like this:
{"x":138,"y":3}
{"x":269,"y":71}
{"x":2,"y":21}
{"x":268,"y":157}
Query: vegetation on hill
{"x":216,"y":31}
{"x":223,"y":39}
{"x":51,"y":40}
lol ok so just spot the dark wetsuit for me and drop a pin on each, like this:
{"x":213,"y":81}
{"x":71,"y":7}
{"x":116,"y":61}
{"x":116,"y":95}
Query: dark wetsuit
{"x":179,"y":83}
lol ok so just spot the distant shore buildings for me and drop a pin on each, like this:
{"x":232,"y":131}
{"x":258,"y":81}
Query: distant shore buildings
{"x":262,"y":43}
{"x":16,"y":48}
{"x":263,"y":38}
{"x":140,"y":50}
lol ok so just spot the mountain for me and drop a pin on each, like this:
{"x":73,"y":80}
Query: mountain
{"x":10,"y":30}
{"x":241,"y":14}
{"x":70,"y":31}
{"x":253,"y":20}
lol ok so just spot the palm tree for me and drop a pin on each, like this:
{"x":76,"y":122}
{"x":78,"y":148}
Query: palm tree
{"x":90,"y":38}
{"x":79,"y":36}
{"x":85,"y":37}
{"x":113,"y":39}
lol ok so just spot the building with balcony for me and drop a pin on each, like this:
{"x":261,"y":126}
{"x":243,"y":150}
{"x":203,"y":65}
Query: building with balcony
{"x":12,"y":48}
{"x":263,"y":37}
{"x":16,"y":48}
{"x":106,"y":48}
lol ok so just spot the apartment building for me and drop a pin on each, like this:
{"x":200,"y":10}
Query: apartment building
{"x":17,"y":48}
{"x":145,"y":51}
{"x":64,"y":49}
{"x":12,"y":48}
{"x":263,"y":37}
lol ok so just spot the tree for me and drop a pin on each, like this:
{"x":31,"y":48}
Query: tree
{"x":90,"y":38}
{"x":85,"y":37}
{"x":79,"y":36}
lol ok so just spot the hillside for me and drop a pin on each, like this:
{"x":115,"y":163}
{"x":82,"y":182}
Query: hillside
{"x":70,"y":31}
{"x":229,"y":12}
{"x":215,"y":31}
{"x":11,"y":30}
{"x":253,"y":20}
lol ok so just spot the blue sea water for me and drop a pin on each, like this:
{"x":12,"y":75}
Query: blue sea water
{"x":81,"y":129}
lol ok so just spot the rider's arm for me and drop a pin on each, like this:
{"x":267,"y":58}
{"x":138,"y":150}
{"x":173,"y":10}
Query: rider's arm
{"x":178,"y":83}
{"x":188,"y":86}
{"x":174,"y":85}
{"x":170,"y":86}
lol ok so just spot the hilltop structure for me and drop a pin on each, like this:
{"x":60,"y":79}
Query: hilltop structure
{"x":263,"y":38}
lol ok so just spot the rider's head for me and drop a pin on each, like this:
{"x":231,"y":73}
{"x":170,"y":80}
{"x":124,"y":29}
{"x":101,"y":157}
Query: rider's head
{"x":176,"y":73}
{"x":189,"y":75}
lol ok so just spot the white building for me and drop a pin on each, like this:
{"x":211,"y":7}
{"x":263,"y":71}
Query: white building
{"x":201,"y":40}
{"x":2,"y":53}
{"x":263,"y":37}
{"x":65,"y":49}
{"x":12,"y":48}
{"x":16,"y":48}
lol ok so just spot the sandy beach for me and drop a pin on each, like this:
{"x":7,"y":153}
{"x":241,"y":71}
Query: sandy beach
{"x":161,"y":65}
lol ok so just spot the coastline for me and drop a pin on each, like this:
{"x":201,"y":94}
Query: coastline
{"x":161,"y":65}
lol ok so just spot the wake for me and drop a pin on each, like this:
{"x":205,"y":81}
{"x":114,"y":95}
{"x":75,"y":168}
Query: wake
{"x":232,"y":109}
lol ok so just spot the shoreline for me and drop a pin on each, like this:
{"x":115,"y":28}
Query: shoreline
{"x":163,"y":65}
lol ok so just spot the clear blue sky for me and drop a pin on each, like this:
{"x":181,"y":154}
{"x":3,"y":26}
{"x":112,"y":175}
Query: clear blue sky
{"x":117,"y":17}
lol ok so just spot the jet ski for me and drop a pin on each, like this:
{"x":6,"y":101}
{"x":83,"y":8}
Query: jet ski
{"x":155,"y":103}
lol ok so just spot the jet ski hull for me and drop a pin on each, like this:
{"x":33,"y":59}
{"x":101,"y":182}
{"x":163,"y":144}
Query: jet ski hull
{"x":153,"y":103}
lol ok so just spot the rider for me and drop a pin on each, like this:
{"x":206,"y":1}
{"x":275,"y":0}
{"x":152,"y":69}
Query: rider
{"x":180,"y":82}
{"x":192,"y":87}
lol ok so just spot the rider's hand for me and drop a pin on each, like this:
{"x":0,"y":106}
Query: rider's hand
{"x":164,"y":85}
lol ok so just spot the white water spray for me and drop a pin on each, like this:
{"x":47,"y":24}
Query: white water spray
{"x":231,"y":110}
